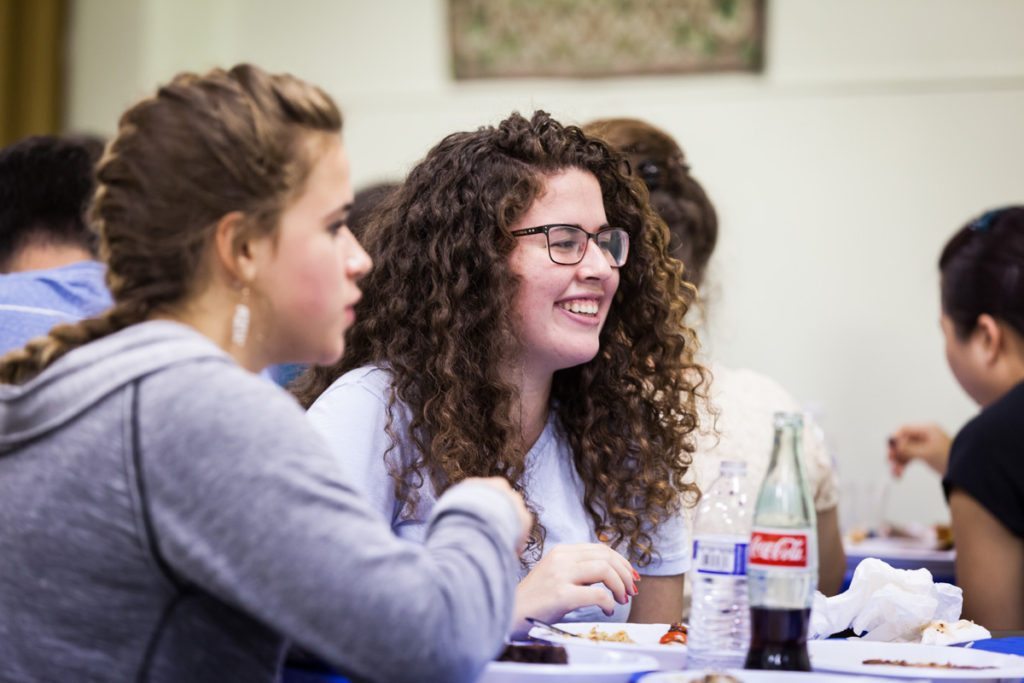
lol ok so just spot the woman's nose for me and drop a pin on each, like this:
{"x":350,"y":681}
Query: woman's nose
{"x":595,"y":263}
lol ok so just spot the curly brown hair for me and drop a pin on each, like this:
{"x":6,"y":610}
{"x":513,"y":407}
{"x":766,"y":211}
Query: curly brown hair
{"x":436,"y":315}
{"x":675,"y":194}
{"x":202,"y":147}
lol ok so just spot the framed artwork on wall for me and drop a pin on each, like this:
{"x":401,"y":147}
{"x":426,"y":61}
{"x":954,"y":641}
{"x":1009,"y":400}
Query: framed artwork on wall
{"x":599,"y":38}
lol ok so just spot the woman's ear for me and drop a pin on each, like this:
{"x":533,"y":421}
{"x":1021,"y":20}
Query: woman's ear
{"x":234,"y":253}
{"x":991,"y":338}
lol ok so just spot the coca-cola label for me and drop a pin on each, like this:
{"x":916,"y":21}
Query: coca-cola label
{"x":778,"y":548}
{"x":720,"y":555}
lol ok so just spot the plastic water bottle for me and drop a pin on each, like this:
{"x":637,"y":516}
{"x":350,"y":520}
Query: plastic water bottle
{"x":783,"y":560}
{"x":719,"y":633}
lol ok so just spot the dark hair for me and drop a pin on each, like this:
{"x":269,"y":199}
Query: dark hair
{"x":981,"y":268}
{"x":436,"y":314}
{"x":201,"y":148}
{"x":674,"y":194}
{"x":45,"y":186}
{"x":366,"y":204}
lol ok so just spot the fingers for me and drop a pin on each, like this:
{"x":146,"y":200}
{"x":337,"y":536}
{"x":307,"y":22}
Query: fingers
{"x":896,"y":467}
{"x":600,"y":571}
{"x":571,"y":576}
{"x":595,"y":562}
{"x":926,"y":442}
{"x":584,"y":596}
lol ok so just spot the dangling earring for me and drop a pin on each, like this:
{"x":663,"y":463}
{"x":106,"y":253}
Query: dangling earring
{"x":240,"y":321}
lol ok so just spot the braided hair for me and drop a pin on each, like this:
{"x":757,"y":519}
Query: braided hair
{"x":202,"y":147}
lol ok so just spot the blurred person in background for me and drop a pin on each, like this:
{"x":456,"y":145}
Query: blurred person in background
{"x":524,"y":320}
{"x":982,"y":294}
{"x":165,"y":513}
{"x":745,"y":400}
{"x":48,"y":269}
{"x":367,"y":204}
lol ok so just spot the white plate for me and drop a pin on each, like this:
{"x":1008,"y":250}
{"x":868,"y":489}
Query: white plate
{"x":589,"y":665}
{"x":645,"y":637}
{"x":899,"y":549}
{"x":759,"y":677}
{"x":847,"y":656}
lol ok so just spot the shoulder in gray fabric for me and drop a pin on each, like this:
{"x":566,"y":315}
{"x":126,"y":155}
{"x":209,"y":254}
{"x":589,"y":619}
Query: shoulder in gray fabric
{"x":84,"y":376}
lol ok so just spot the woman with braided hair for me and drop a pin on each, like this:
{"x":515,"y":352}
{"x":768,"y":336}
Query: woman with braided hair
{"x":524,"y":320}
{"x":165,"y":513}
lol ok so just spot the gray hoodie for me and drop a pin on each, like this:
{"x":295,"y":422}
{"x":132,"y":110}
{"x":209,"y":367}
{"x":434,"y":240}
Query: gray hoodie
{"x":168,"y":516}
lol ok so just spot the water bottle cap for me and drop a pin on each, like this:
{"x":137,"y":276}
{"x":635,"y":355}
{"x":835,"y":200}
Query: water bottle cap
{"x":782,"y":419}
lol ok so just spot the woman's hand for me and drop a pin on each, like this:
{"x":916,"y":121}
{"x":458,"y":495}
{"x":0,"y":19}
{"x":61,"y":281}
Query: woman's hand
{"x":562,"y":582}
{"x":525,"y":516}
{"x":925,"y":442}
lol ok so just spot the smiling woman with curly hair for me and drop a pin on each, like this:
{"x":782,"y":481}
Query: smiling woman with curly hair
{"x":524,"y":320}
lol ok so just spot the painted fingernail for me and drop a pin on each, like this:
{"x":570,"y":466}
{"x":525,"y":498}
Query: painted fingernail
{"x":635,"y":589}
{"x":636,"y":575}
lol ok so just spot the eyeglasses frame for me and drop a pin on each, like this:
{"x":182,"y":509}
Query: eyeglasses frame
{"x":591,"y":236}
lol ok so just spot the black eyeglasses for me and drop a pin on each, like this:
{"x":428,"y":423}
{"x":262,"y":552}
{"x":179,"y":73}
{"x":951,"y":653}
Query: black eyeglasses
{"x":568,"y":243}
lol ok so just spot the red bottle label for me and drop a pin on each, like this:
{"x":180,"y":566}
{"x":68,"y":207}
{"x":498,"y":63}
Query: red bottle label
{"x":778,"y":548}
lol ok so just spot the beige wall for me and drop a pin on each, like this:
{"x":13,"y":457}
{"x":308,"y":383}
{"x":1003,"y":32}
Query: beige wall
{"x":878,"y":127}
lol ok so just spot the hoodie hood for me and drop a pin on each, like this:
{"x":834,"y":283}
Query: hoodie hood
{"x":88,"y":374}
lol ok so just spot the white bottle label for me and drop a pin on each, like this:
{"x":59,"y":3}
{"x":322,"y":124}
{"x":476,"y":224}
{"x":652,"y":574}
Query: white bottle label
{"x":720,"y":555}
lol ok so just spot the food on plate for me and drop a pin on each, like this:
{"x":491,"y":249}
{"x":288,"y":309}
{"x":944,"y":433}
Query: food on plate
{"x":946,"y":632}
{"x":534,"y":653}
{"x":676,"y":635}
{"x":943,"y":537}
{"x":923,"y":665}
{"x":715,"y":678}
{"x":602,"y":637}
{"x":934,"y":537}
{"x":858,"y":535}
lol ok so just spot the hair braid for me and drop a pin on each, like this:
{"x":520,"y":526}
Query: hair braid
{"x":202,"y":147}
{"x":21,"y":365}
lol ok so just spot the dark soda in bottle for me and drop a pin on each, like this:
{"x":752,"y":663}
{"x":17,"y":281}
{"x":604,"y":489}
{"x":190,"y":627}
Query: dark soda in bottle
{"x":782,"y":560}
{"x":778,"y":639}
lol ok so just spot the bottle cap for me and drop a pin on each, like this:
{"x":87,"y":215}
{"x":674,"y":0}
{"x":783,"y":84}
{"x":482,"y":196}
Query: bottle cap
{"x":782,"y":419}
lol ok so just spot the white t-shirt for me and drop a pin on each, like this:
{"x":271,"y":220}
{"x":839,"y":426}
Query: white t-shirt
{"x":351,"y":415}
{"x":746,"y":401}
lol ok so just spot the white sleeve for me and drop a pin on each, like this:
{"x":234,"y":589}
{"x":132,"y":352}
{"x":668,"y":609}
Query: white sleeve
{"x":351,"y":415}
{"x":672,"y":546}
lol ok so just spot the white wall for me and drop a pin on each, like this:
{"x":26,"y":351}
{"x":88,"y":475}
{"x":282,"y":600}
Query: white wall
{"x":878,"y":127}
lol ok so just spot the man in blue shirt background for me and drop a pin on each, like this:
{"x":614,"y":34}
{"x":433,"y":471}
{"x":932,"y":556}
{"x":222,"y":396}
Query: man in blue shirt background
{"x":48,"y":269}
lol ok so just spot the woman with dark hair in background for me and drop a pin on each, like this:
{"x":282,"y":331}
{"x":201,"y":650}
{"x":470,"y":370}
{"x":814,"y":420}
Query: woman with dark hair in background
{"x":524,"y":320}
{"x":165,"y":513}
{"x":982,"y":288}
{"x":745,"y":400}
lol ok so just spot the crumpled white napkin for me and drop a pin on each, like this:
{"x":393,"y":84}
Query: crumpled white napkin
{"x":886,"y":604}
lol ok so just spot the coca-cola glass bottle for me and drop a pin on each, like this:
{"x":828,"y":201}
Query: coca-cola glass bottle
{"x":782,"y":561}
